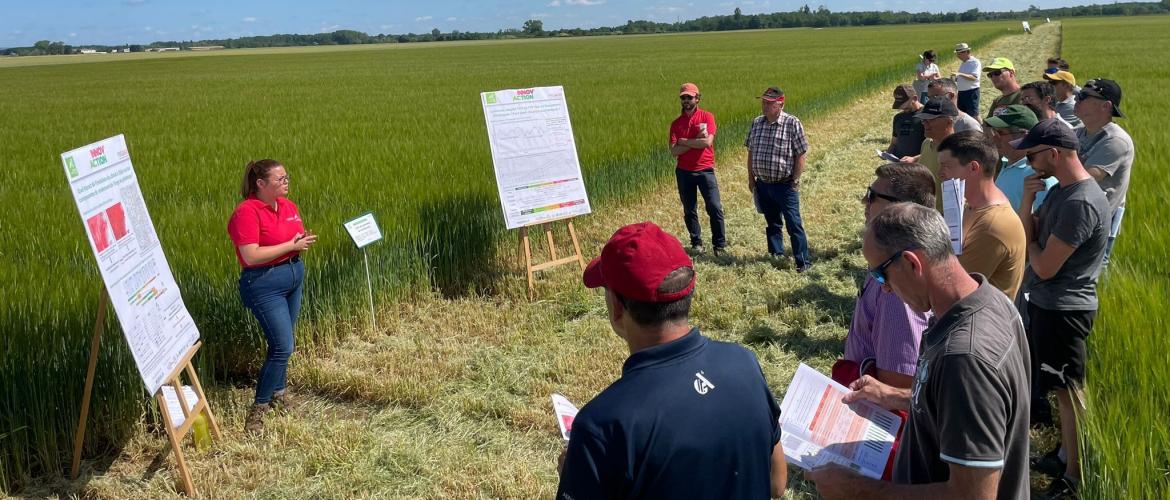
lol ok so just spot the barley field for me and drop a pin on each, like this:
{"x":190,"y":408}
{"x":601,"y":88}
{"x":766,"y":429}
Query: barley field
{"x":1125,"y":436}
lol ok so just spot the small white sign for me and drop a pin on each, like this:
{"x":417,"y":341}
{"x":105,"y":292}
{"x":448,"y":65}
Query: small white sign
{"x":565,"y":412}
{"x":364,"y":230}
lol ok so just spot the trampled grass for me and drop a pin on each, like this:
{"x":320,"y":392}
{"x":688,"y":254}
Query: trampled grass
{"x":395,"y":131}
{"x":1125,"y":431}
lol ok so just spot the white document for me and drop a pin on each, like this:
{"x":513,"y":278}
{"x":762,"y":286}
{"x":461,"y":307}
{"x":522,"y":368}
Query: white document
{"x":364,"y":230}
{"x":953,"y":201}
{"x":173,"y":406}
{"x":130,"y":257}
{"x":819,"y":429}
{"x":565,"y":412}
{"x":538,"y":174}
{"x":887,"y":156}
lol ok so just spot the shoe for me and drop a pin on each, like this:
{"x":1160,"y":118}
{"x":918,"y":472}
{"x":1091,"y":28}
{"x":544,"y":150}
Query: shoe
{"x":698,"y":249}
{"x":1050,"y":463}
{"x":284,"y":402}
{"x":721,"y":251}
{"x":804,"y":268}
{"x":254,"y":423}
{"x":1062,"y":488}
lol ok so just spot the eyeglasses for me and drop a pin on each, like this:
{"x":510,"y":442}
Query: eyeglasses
{"x":686,"y":97}
{"x":280,"y":180}
{"x":1032,"y":156}
{"x":879,"y":273}
{"x":994,"y":73}
{"x":1051,"y":71}
{"x":871,"y":195}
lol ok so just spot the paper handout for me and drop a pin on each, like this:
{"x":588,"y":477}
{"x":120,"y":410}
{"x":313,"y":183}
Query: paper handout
{"x":818,"y":428}
{"x":565,"y":412}
{"x":887,"y":156}
{"x":173,"y":407}
{"x":952,"y":193}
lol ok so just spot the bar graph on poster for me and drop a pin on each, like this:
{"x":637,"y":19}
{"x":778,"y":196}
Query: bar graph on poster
{"x":138,"y":279}
{"x":538,"y":174}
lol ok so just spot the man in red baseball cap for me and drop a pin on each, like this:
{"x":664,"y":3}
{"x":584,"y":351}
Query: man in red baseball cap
{"x":692,"y":139}
{"x":690,"y":417}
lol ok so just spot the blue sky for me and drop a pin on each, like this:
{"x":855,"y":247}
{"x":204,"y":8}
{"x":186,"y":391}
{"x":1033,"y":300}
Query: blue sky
{"x":143,"y":21}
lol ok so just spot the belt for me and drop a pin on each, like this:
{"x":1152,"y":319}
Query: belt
{"x":786,"y":180}
{"x":294,"y":260}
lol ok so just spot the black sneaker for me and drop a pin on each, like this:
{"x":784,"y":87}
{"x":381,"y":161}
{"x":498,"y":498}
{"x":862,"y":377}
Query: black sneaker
{"x":721,"y":251}
{"x":804,"y":268}
{"x":1062,"y":488}
{"x":698,"y":249}
{"x":1050,"y":464}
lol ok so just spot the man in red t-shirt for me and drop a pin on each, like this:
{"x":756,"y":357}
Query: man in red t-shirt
{"x":692,"y":136}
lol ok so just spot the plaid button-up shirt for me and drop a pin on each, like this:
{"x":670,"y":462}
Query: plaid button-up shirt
{"x":774,"y":147}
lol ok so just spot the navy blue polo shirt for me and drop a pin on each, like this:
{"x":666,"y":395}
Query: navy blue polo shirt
{"x":692,"y":418}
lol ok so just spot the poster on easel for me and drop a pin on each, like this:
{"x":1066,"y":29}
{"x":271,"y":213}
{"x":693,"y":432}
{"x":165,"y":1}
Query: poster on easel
{"x":137,"y":277}
{"x":538,"y":174}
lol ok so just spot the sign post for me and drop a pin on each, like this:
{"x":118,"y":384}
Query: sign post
{"x":364,"y":230}
{"x":538,"y":173}
{"x":138,"y":284}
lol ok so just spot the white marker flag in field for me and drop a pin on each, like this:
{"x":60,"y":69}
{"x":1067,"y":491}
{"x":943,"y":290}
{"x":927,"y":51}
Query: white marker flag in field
{"x":537,"y":171}
{"x":138,"y":279}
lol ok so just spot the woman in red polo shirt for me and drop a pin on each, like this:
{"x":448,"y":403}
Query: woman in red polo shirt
{"x":268,"y":235}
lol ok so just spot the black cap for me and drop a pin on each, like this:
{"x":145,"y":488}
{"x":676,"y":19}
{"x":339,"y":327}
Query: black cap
{"x":1050,"y":132}
{"x":1103,"y":89}
{"x":937,"y":107}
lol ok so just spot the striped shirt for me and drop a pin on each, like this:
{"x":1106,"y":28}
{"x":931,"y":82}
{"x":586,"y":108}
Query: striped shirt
{"x":884,"y":330}
{"x":774,"y":147}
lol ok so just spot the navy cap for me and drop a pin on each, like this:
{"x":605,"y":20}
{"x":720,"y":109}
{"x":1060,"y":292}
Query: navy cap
{"x":1050,"y":132}
{"x":1107,"y":90}
{"x":937,"y":107}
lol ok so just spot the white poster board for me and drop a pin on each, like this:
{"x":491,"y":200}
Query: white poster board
{"x":138,"y":279}
{"x":364,"y":230}
{"x":537,"y":171}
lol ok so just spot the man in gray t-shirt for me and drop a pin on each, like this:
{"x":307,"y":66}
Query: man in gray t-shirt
{"x":1106,"y":150}
{"x":1066,"y":240}
{"x":969,"y":405}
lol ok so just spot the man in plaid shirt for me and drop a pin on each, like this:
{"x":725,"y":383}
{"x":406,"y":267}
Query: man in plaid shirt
{"x":776,"y":153}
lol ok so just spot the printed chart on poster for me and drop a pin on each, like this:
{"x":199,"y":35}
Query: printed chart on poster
{"x":154,"y":319}
{"x":538,"y":173}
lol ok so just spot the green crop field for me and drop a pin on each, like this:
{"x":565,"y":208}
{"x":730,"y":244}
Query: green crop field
{"x":1125,"y":435}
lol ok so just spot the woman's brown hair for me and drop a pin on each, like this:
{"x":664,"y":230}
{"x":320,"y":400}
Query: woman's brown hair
{"x":255,"y":171}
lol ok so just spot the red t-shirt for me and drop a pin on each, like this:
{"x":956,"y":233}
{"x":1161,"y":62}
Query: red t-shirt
{"x":687,"y":127}
{"x":256,"y":222}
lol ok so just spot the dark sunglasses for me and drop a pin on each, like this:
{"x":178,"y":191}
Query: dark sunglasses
{"x":686,"y":97}
{"x":871,"y":195}
{"x":1032,"y":156}
{"x":1051,"y":71}
{"x":995,"y":73}
{"x":879,"y":273}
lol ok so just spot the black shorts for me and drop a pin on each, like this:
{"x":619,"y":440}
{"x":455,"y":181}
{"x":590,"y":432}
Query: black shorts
{"x":1057,"y":341}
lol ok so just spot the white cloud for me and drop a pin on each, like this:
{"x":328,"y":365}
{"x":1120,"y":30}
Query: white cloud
{"x":584,"y":2}
{"x":249,"y":19}
{"x":423,"y":18}
{"x":148,"y":29}
{"x":329,"y":28}
{"x":452,"y":19}
{"x":554,"y":3}
{"x":387,"y":26}
{"x":73,"y":35}
{"x":539,"y":15}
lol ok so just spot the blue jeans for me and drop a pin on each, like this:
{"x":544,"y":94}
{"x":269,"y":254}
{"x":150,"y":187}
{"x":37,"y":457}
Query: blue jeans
{"x":704,"y":182}
{"x":273,"y":293}
{"x":781,"y":206}
{"x":969,"y":102}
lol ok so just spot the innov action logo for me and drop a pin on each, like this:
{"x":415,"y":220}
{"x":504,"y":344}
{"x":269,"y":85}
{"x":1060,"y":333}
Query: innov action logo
{"x":71,"y":167}
{"x":524,"y":95}
{"x":490,"y":98}
{"x":97,"y":157}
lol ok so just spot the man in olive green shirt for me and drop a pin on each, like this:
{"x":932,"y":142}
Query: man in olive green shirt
{"x":1002,"y":74}
{"x":994,"y":243}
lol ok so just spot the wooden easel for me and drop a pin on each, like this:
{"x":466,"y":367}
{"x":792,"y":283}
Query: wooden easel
{"x":174,"y":435}
{"x":526,"y":253}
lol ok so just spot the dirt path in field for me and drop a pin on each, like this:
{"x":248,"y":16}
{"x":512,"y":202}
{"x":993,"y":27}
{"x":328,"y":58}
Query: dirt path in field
{"x":449,"y":398}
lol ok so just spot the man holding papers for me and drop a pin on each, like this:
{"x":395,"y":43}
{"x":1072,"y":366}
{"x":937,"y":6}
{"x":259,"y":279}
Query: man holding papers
{"x":968,"y":430}
{"x":689,"y":417}
{"x":993,"y":238}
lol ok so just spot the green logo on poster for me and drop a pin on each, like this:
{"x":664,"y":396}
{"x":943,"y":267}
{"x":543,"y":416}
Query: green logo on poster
{"x":490,"y":98}
{"x":72,"y":168}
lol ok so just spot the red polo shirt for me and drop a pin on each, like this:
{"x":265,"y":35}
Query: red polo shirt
{"x":687,"y":127}
{"x":256,"y":222}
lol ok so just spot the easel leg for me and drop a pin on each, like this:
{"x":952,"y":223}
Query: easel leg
{"x":552,"y":247}
{"x":79,"y":438}
{"x":176,"y":445}
{"x":528,"y":262}
{"x":203,"y":397}
{"x":576,"y":246}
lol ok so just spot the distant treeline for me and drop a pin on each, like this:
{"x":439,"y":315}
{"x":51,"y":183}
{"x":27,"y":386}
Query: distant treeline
{"x":534,"y":28}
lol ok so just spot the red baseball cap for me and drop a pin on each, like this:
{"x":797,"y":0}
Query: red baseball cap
{"x":689,"y":89}
{"x":635,"y":261}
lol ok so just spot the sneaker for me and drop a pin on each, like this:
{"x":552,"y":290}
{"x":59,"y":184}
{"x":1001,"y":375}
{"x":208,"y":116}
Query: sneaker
{"x":1062,"y":488}
{"x":721,"y":251}
{"x":804,"y":268}
{"x":698,"y":249}
{"x":254,"y":423}
{"x":1050,"y":463}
